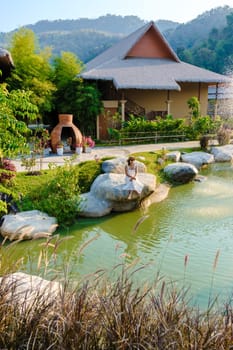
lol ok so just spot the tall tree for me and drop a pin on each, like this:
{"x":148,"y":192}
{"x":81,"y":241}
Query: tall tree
{"x":33,"y":71}
{"x":73,"y":96}
{"x":66,"y":68}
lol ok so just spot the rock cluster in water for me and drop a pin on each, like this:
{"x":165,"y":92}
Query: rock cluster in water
{"x":107,"y":193}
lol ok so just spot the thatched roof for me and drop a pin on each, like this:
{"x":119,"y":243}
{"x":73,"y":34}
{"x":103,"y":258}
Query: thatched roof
{"x":6,"y":64}
{"x":158,"y":68}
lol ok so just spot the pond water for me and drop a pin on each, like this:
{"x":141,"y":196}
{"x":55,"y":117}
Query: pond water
{"x":194,"y":223}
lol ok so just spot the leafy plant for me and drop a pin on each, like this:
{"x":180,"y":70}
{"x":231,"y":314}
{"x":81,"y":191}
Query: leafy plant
{"x":88,"y":171}
{"x":60,"y":197}
{"x":29,"y":163}
{"x":194,"y":106}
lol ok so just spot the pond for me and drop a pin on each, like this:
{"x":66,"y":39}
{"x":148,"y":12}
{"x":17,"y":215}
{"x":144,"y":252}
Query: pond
{"x":187,"y":239}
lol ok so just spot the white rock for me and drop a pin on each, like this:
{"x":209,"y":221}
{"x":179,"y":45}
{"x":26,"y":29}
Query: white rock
{"x":28,"y":225}
{"x":160,"y":193}
{"x":222,"y":153}
{"x":174,"y":156}
{"x":117,"y":165}
{"x":92,"y":206}
{"x":28,"y":290}
{"x":181,"y":172}
{"x":198,"y":159}
{"x":107,"y":194}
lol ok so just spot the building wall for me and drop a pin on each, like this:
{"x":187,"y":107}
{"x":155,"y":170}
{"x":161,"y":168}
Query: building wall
{"x":155,"y":100}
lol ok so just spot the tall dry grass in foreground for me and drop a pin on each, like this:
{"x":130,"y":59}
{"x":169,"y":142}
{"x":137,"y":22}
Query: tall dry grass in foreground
{"x":100,"y":315}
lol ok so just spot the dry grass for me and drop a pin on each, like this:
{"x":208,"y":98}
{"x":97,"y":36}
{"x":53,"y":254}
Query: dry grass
{"x":115,"y":315}
{"x":102,"y":315}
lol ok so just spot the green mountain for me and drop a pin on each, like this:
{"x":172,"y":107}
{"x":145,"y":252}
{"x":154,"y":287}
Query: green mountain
{"x":87,"y":38}
{"x":192,"y":33}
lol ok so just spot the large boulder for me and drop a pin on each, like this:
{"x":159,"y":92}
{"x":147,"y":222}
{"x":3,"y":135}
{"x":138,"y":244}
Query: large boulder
{"x":222,"y":153}
{"x":93,"y":207}
{"x":160,"y":193}
{"x":28,"y":290}
{"x":27,"y":225}
{"x":180,"y":173}
{"x":117,"y":165}
{"x":107,"y":194}
{"x":198,"y":159}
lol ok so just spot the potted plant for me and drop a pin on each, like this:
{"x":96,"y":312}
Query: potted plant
{"x":78,"y":148}
{"x":60,"y":148}
{"x":68,"y":144}
{"x":88,"y":144}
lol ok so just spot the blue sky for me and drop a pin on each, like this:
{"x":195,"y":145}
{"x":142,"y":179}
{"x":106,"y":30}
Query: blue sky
{"x":17,"y":13}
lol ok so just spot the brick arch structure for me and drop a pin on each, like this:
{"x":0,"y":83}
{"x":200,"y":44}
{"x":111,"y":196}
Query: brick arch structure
{"x":65,"y":121}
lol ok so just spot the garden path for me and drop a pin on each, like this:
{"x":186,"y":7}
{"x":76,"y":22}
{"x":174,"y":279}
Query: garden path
{"x":101,"y":152}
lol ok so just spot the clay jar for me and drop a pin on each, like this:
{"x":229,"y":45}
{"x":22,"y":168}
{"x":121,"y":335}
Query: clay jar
{"x":65,"y":121}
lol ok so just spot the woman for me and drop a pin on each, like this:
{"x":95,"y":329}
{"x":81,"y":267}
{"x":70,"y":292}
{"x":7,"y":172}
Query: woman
{"x":132,"y":184}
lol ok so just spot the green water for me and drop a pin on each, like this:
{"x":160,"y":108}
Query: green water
{"x":195,"y":220}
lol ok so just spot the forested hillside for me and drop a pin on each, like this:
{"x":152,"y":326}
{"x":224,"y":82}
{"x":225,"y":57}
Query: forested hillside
{"x":204,"y":41}
{"x":190,"y":34}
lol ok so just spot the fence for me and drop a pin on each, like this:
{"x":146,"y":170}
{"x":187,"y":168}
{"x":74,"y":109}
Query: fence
{"x":155,"y":137}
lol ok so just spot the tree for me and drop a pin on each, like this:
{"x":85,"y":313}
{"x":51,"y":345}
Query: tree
{"x":33,"y":71}
{"x":87,"y":105}
{"x":73,"y":96}
{"x":13,"y":131}
{"x":66,"y":69}
{"x":194,"y":106}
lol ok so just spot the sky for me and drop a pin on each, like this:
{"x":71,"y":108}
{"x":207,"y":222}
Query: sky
{"x":18,"y":13}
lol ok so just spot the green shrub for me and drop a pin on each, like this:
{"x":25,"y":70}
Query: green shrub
{"x":88,"y":171}
{"x":205,"y":124}
{"x":60,"y":197}
{"x":166,"y":126}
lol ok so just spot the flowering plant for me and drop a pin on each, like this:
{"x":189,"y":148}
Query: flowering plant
{"x":60,"y":144}
{"x":7,"y":170}
{"x":87,"y":141}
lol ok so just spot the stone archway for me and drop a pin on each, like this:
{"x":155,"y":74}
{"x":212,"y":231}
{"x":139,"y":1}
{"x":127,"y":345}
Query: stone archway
{"x":65,"y":121}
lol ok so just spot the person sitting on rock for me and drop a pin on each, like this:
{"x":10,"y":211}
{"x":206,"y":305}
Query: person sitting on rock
{"x":132,"y":183}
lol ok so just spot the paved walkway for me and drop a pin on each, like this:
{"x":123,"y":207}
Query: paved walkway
{"x":101,"y":152}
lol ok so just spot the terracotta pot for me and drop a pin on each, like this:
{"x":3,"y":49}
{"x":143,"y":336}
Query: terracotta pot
{"x":65,"y":119}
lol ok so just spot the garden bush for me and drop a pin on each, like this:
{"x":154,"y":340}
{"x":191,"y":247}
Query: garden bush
{"x":88,"y":171}
{"x":60,"y":196}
